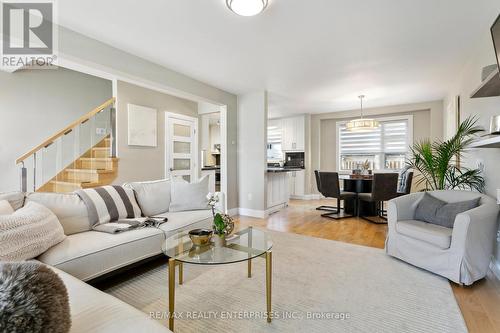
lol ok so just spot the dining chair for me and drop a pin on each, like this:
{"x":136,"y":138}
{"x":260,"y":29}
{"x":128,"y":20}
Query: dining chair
{"x":405,"y":182}
{"x":318,"y":185}
{"x":384,"y":188}
{"x":330,"y":188}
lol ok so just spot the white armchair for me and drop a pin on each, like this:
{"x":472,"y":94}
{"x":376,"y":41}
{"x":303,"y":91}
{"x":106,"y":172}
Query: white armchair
{"x":461,"y":254}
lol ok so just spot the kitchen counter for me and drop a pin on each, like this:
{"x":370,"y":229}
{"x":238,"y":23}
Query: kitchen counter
{"x":274,"y":170}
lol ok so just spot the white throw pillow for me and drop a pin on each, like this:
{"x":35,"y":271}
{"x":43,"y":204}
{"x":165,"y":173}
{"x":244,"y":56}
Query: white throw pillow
{"x":153,"y":196}
{"x":28,"y":232}
{"x":68,"y":207}
{"x":5,"y":208}
{"x":189,"y":196}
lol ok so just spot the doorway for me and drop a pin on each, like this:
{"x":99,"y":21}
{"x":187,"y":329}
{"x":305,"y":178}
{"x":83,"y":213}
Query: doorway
{"x":181,"y":144}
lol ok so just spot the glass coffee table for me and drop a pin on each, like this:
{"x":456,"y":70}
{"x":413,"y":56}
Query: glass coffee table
{"x":244,"y":245}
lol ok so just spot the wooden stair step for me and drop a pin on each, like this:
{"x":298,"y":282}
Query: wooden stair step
{"x":74,"y":184}
{"x":89,"y":171}
{"x":100,"y":152}
{"x":108,"y":163}
{"x":107,"y":159}
{"x":85,"y":175}
{"x":105,"y":143}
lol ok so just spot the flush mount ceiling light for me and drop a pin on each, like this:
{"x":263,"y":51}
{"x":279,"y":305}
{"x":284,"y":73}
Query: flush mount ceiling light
{"x":247,"y":7}
{"x":362,"y":124}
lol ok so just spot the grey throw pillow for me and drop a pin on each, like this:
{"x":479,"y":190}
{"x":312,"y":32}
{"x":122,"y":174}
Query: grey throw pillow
{"x":435,"y":211}
{"x":33,"y":298}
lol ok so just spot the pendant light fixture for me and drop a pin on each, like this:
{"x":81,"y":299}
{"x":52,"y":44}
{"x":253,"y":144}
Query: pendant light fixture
{"x":247,"y":7}
{"x":362,"y":124}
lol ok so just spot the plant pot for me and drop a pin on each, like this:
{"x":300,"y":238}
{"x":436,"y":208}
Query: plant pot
{"x":219,"y":240}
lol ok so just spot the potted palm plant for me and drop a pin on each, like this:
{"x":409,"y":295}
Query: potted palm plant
{"x":436,"y":163}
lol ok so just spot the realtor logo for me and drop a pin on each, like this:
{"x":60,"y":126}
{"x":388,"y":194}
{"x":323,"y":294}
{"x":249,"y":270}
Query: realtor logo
{"x":28,"y":33}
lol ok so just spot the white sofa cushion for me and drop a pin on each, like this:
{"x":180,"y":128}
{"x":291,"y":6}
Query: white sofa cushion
{"x":153,"y":197}
{"x":189,"y":196}
{"x":95,"y":311}
{"x":5,"y":208}
{"x":28,"y":232}
{"x":426,"y":232}
{"x":68,"y":207}
{"x":16,"y":199}
{"x":181,"y":221}
{"x":90,"y":254}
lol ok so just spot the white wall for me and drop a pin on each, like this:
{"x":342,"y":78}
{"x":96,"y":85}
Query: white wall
{"x":78,"y":50}
{"x":35,"y":104}
{"x":252,"y":159}
{"x":465,"y":82}
{"x":145,"y":163}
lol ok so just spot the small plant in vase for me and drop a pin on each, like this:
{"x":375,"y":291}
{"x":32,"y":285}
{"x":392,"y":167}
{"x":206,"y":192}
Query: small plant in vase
{"x":223,"y":224}
{"x":365,"y":167}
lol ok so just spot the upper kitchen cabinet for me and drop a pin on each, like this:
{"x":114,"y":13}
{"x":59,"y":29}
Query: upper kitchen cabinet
{"x":293,"y":133}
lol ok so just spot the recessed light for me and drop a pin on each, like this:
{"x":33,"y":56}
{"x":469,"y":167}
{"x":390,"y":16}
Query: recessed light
{"x":247,"y":7}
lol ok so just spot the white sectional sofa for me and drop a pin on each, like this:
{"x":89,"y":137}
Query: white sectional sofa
{"x":85,"y":255}
{"x":88,"y":254}
{"x":95,"y":311}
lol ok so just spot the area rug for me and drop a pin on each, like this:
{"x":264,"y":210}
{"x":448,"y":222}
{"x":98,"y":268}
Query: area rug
{"x":318,"y":286}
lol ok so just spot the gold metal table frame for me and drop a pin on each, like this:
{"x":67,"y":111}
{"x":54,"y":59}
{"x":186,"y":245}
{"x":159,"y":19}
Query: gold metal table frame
{"x":175,"y":261}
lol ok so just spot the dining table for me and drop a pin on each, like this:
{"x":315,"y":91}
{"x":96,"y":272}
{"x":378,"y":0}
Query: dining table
{"x":358,"y":184}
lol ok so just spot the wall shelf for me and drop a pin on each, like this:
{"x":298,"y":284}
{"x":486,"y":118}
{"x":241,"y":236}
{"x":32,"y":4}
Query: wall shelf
{"x":490,"y":86}
{"x":487,"y":142}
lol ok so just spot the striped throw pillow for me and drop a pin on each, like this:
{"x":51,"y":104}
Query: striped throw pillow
{"x":109,"y":204}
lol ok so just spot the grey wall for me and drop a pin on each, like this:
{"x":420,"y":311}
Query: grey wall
{"x":252,"y":159}
{"x":427,"y":123}
{"x":35,"y":104}
{"x":82,"y":50}
{"x":145,"y":163}
{"x":465,"y":82}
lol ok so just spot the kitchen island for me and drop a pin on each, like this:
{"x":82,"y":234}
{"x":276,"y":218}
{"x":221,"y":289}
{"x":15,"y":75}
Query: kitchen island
{"x":278,"y":187}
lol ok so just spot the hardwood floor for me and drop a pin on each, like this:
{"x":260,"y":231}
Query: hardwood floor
{"x":480,"y":303}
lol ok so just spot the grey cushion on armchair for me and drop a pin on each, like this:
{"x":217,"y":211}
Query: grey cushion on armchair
{"x":461,"y":254}
{"x":439,"y":212}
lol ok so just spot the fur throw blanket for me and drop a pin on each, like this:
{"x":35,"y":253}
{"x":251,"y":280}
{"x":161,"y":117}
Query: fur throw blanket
{"x":33,"y":298}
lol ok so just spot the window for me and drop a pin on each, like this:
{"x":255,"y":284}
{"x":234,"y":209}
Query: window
{"x":383,"y":148}
{"x":274,"y":151}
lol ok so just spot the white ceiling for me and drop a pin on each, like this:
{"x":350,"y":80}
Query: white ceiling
{"x":311,"y":55}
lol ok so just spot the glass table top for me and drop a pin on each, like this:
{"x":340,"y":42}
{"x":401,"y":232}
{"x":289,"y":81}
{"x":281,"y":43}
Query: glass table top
{"x":240,"y":246}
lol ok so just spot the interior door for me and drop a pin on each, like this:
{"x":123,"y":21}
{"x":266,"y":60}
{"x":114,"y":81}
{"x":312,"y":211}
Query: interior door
{"x":181,"y":147}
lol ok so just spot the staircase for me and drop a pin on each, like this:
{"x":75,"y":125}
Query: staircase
{"x":82,"y":155}
{"x":95,"y":168}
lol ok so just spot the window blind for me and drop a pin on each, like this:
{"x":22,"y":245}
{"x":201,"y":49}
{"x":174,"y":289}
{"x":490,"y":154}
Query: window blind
{"x":390,"y":137}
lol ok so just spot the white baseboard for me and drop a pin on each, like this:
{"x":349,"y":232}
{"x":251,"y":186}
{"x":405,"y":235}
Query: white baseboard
{"x":233,"y":211}
{"x":261,"y":214}
{"x":306,"y":197}
{"x":252,"y":212}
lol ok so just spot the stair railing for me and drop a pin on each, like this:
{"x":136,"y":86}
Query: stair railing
{"x":43,"y":163}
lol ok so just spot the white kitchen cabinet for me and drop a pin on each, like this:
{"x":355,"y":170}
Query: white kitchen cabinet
{"x":293,"y":133}
{"x":297,"y":184}
{"x":277,"y":189}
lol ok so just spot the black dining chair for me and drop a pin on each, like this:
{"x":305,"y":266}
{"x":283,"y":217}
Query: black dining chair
{"x":405,"y":182}
{"x":384,"y":188}
{"x":330,"y":188}
{"x":318,"y":185}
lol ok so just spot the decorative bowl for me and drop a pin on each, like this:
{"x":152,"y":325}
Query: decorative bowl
{"x":200,"y":237}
